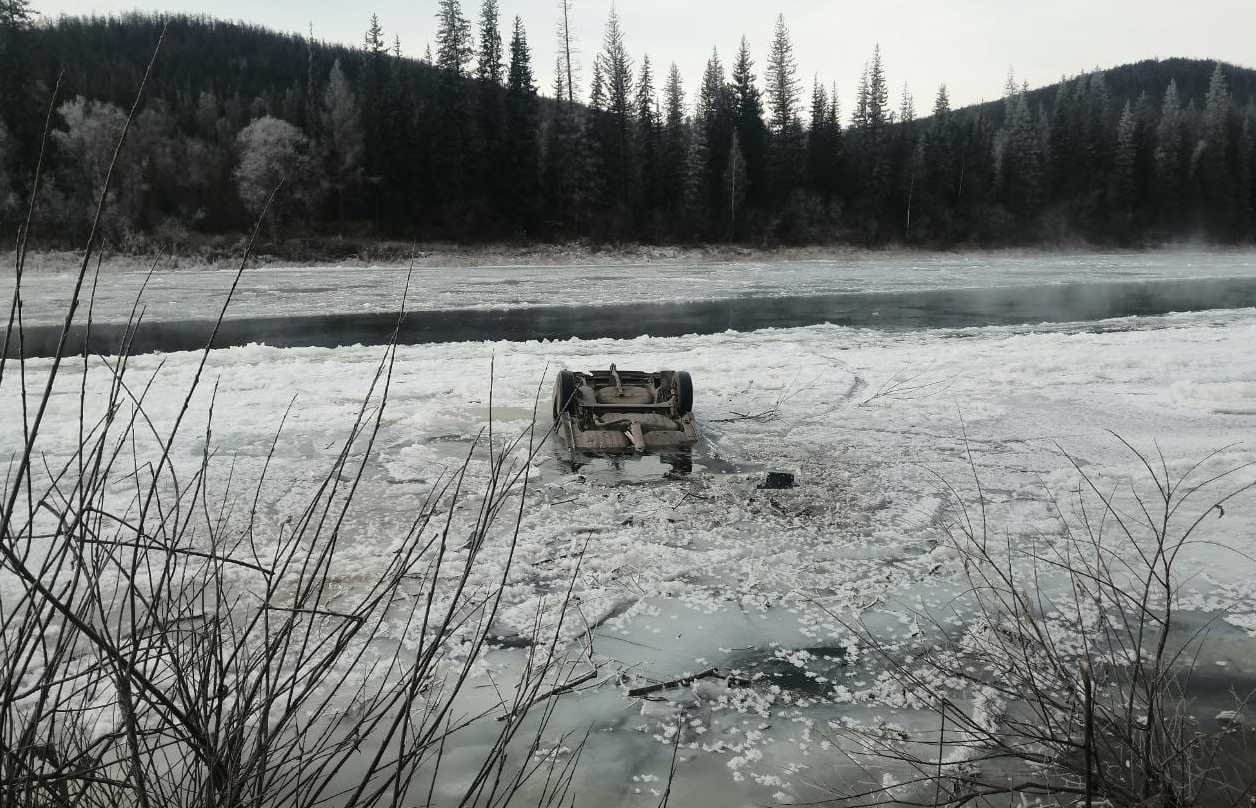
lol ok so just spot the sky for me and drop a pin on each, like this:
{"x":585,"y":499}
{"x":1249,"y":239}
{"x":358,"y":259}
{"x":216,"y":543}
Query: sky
{"x":970,"y":45}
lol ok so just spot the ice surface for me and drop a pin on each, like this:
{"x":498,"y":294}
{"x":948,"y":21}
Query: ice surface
{"x":271,"y":292}
{"x":681,"y":575}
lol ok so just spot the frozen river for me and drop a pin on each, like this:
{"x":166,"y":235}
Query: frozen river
{"x":336,"y":307}
{"x":882,"y":427}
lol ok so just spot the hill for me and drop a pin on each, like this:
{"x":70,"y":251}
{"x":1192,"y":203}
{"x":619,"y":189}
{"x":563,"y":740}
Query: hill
{"x":371,"y":144}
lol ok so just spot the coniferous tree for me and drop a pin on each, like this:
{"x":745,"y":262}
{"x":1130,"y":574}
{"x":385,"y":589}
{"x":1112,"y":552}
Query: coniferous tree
{"x":649,"y":138}
{"x":373,"y":103}
{"x":871,"y":140}
{"x":936,"y":196}
{"x":451,"y":146}
{"x":613,"y":75}
{"x":1172,"y":157}
{"x":1126,"y":167}
{"x":489,"y":66}
{"x":822,"y":144}
{"x":522,"y":147}
{"x":675,"y":148}
{"x":17,"y":103}
{"x":490,"y":128}
{"x":1216,"y":166}
{"x":752,"y":134}
{"x":1019,"y":160}
{"x":784,"y":127}
{"x":711,"y":143}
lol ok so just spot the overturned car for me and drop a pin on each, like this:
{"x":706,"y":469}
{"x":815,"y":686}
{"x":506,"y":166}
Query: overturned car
{"x":626,"y":413}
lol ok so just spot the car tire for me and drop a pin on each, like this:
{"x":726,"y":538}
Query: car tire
{"x":684,"y":393}
{"x":565,"y":393}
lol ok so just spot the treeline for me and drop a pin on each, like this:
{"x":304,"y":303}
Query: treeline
{"x":462,"y":145}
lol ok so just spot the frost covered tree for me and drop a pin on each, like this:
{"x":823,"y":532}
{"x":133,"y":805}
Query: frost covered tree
{"x":1216,"y":163}
{"x":271,"y":153}
{"x":1172,"y":156}
{"x":344,"y":140}
{"x":8,"y":194}
{"x":1126,"y":165}
{"x":1019,"y":159}
{"x":85,"y":142}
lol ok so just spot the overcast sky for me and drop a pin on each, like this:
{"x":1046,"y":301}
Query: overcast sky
{"x":968,"y":44}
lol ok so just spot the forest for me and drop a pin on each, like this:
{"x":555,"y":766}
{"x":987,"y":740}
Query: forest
{"x":463,"y":145}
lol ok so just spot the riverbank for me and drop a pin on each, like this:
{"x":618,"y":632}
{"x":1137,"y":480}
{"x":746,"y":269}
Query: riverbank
{"x":352,"y":253}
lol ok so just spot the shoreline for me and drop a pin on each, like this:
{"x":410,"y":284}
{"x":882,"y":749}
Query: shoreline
{"x":445,"y":255}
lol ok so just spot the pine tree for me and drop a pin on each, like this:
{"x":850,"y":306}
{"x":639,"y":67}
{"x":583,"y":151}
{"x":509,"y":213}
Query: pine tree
{"x":1171,"y":157}
{"x":871,"y":139}
{"x":18,"y":110}
{"x":675,"y":141}
{"x":373,"y":102}
{"x":452,"y":154}
{"x":752,"y":133}
{"x":1126,"y":166}
{"x":1020,"y":160}
{"x":938,"y":171}
{"x":453,"y":39}
{"x":491,"y":129}
{"x":489,"y":67}
{"x":522,"y":144}
{"x":784,"y":128}
{"x":1217,"y":169}
{"x":613,"y":73}
{"x":649,"y":137}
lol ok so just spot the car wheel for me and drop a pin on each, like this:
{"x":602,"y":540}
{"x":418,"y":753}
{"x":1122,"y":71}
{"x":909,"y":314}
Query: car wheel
{"x":684,"y":393}
{"x":564,"y":393}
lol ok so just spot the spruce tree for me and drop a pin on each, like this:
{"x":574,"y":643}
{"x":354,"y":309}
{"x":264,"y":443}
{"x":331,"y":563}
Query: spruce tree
{"x":452,"y":150}
{"x":1126,"y":167}
{"x":784,"y":127}
{"x":374,"y":107}
{"x":675,"y":141}
{"x":649,"y":137}
{"x":522,"y":146}
{"x":1171,"y":157}
{"x":616,"y":146}
{"x":1217,"y":169}
{"x":489,"y":66}
{"x":453,"y":40}
{"x":752,"y":133}
{"x":18,"y":110}
{"x":491,"y":130}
